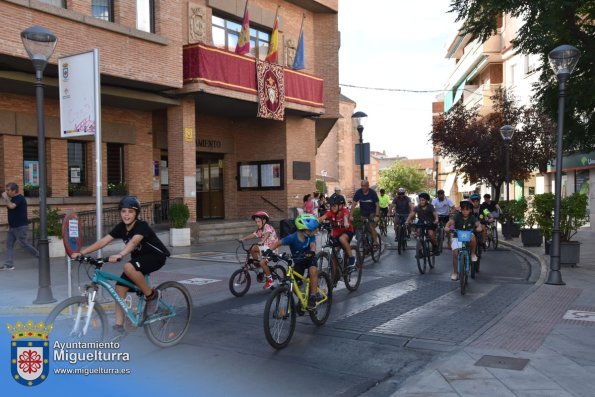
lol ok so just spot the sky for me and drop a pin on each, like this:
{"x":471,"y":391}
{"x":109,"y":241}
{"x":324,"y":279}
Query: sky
{"x":395,"y":44}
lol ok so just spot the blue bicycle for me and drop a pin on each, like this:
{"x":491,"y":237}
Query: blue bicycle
{"x":464,"y":258}
{"x":82,"y":318}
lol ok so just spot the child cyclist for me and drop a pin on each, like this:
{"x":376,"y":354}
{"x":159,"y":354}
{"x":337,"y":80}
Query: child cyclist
{"x":147,"y":254}
{"x":342,"y":229}
{"x":266,"y":235}
{"x":302,"y":244}
{"x":463,"y":220}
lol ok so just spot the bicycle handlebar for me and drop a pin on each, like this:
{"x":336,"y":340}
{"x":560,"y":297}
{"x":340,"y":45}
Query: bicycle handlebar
{"x":97,"y":262}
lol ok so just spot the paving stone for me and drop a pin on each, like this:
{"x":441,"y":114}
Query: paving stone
{"x":481,"y":387}
{"x":426,"y":382}
{"x":527,"y":379}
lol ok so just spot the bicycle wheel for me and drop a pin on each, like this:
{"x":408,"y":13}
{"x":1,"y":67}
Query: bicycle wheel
{"x":440,"y":239}
{"x":279,"y":318}
{"x":352,"y":278}
{"x":464,"y":258}
{"x":489,"y":239}
{"x":362,"y":247}
{"x":323,"y":306}
{"x":420,"y":257}
{"x":375,"y":251}
{"x":239,"y":282}
{"x":431,"y":257}
{"x":400,"y":238}
{"x":71,"y":313}
{"x":278,"y":272}
{"x":168,"y":326}
{"x":495,"y":236}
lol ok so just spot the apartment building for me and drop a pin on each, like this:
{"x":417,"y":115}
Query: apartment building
{"x":178,"y":105}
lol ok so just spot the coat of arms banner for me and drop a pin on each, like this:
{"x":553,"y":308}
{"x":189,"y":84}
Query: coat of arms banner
{"x":271,"y":90}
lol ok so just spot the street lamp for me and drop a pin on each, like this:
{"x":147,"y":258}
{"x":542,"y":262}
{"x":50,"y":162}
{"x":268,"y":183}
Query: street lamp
{"x":563,"y":60}
{"x":40,"y":44}
{"x":436,"y":166}
{"x":359,"y":118}
{"x":507,"y":131}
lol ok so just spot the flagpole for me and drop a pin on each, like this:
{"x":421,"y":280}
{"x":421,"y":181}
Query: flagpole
{"x":294,"y":66}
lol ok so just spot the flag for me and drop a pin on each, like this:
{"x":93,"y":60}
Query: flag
{"x":298,"y":61}
{"x":274,"y":43}
{"x":243,"y":45}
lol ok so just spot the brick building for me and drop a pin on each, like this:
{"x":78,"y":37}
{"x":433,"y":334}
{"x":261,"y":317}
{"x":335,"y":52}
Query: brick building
{"x":178,"y":106}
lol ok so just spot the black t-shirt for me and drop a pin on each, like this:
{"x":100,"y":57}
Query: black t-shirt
{"x":425,"y":214}
{"x":18,"y":216}
{"x":464,"y":224}
{"x":402,"y":205}
{"x":491,"y":206}
{"x":149,"y":245}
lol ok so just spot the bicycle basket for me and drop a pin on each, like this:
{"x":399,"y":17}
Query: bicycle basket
{"x":464,"y":236}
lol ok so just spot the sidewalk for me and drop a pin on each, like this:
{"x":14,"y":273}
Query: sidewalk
{"x":543,"y":346}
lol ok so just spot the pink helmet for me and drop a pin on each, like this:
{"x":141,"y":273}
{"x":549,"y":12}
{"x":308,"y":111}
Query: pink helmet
{"x":261,"y":215}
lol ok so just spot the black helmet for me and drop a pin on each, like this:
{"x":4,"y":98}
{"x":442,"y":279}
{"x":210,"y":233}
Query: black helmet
{"x":130,"y":202}
{"x":466,"y":204}
{"x":339,"y":199}
{"x":424,"y":196}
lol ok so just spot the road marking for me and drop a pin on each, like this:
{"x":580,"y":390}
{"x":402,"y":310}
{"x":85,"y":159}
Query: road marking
{"x":580,"y":315}
{"x":209,"y":256}
{"x":199,"y":281}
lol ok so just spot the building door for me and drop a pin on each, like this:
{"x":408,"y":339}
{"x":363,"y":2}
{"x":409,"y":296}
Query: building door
{"x":209,"y":186}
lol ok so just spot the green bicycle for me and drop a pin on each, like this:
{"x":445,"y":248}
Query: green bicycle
{"x":281,"y":308}
{"x":82,"y":318}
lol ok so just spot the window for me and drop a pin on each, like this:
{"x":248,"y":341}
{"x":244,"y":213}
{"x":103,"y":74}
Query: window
{"x":531,"y":62}
{"x":226,"y":33}
{"x":145,"y":15}
{"x":511,"y":76}
{"x":57,"y":3}
{"x":77,"y":170}
{"x":30,"y":162}
{"x":261,"y":175}
{"x":103,"y":9}
{"x":115,"y":163}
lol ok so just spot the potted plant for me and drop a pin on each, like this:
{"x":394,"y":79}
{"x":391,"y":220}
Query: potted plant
{"x":78,"y":190}
{"x":30,"y":190}
{"x":117,"y":189}
{"x":513,"y":212}
{"x":543,"y":211}
{"x":530,"y":235}
{"x":179,"y":233}
{"x":54,"y":227}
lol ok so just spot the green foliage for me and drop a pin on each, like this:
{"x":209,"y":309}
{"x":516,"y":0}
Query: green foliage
{"x":400,"y":175}
{"x":320,"y":186}
{"x":117,"y":187}
{"x":513,"y":210}
{"x":573,"y":214}
{"x":178,"y":215}
{"x":53,"y":222}
{"x":543,"y":210}
{"x":357,"y":218}
{"x":547,"y":24}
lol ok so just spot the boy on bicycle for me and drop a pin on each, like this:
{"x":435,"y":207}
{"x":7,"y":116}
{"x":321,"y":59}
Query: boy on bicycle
{"x":481,"y":214}
{"x":342,"y":229}
{"x":426,"y":214}
{"x":147,"y":254}
{"x":302,"y":244}
{"x":402,"y":207}
{"x":266,"y":235}
{"x":463,"y":220}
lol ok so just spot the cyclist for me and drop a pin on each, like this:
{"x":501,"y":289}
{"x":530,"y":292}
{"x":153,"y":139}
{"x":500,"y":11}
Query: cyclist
{"x":481,"y":215}
{"x":443,"y":206}
{"x":402,"y":207}
{"x":368,"y":204}
{"x":342,"y":229}
{"x":464,"y":220}
{"x":490,"y":205}
{"x":302,"y":244}
{"x":146,"y":251}
{"x":426,"y":213}
{"x":383,"y":203}
{"x":266,"y":235}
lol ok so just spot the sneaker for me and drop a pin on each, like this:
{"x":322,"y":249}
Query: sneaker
{"x":351,"y":263}
{"x":118,"y":333}
{"x":268,"y":283}
{"x":473,"y":258}
{"x":7,"y":267}
{"x":312,"y":302}
{"x":454,"y":276}
{"x":153,"y":302}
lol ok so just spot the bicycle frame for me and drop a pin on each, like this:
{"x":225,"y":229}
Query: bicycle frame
{"x":293,"y":277}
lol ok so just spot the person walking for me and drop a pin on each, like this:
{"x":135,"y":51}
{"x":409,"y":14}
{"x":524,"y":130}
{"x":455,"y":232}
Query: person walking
{"x":18,"y":223}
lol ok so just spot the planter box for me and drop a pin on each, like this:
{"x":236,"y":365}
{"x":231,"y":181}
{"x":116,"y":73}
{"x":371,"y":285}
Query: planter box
{"x":179,"y":237}
{"x":512,"y":229}
{"x":531,"y":237}
{"x":570,"y":252}
{"x":56,"y":247}
{"x":117,"y":193}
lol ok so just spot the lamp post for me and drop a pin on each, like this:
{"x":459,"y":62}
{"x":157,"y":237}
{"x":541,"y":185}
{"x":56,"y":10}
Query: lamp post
{"x":563,"y":60}
{"x":40,"y":44}
{"x":359,"y":118}
{"x":507,"y":131}
{"x":436,"y":176}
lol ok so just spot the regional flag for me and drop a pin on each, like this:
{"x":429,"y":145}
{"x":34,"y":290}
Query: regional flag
{"x":298,"y":62}
{"x":274,"y":43}
{"x":243,"y":45}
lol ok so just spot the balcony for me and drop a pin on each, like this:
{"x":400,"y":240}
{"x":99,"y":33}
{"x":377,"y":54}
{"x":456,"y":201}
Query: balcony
{"x":215,"y":71}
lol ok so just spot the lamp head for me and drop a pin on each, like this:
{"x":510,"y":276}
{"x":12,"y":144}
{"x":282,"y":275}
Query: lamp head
{"x":563,"y":59}
{"x":39,"y":43}
{"x":507,"y":131}
{"x":359,"y":120}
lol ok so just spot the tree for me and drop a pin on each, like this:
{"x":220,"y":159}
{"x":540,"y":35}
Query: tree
{"x":475,"y":147}
{"x":548,"y":24}
{"x":400,"y":175}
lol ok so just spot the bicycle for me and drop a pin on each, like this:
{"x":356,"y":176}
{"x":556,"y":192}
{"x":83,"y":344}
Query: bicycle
{"x":440,"y":232}
{"x":240,"y":280}
{"x":333,"y":253}
{"x":401,"y":233}
{"x":365,"y":243}
{"x":281,"y":306}
{"x":383,"y":225}
{"x":424,"y":254}
{"x":492,"y":234}
{"x":463,"y":258}
{"x":82,"y":318}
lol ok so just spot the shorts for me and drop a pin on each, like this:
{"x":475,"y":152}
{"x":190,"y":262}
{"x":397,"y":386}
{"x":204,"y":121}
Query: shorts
{"x":349,"y":238}
{"x":301,"y":265}
{"x":443,"y":219}
{"x":384,"y":211}
{"x":146,"y":264}
{"x":370,"y":218}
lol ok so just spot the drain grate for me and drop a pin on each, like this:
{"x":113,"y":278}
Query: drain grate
{"x":517,"y":364}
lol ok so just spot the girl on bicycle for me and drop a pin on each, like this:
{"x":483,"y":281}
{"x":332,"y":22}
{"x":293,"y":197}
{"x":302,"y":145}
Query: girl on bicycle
{"x":147,"y":254}
{"x":426,"y":214}
{"x":267,"y":237}
{"x":342,"y":229}
{"x":463,"y":220}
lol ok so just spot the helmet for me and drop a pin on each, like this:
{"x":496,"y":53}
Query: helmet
{"x":401,"y":190}
{"x":338,"y":200}
{"x":475,"y":196}
{"x":130,"y":202}
{"x":306,"y":222}
{"x":261,"y":215}
{"x":424,"y":196}
{"x":466,"y":204}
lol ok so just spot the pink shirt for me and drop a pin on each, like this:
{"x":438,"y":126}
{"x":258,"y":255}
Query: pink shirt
{"x":269,"y":240}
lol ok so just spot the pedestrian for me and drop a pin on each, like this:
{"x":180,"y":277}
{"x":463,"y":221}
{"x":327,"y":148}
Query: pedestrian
{"x":308,"y":204}
{"x":18,"y":223}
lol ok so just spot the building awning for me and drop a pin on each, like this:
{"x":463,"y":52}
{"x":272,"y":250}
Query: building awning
{"x":450,"y":179}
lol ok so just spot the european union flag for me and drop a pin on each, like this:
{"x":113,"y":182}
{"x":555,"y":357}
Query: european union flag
{"x":298,"y":62}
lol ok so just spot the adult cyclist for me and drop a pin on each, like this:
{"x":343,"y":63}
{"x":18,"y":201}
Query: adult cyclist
{"x":443,"y":206}
{"x":481,"y":214}
{"x":368,"y":205}
{"x":401,"y":207}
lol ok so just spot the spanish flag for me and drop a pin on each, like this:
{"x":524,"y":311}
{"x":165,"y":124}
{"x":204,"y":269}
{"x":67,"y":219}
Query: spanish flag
{"x":274,"y":43}
{"x":243,"y":45}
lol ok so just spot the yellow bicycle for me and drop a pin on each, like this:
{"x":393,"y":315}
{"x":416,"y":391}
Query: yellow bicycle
{"x":281,"y":308}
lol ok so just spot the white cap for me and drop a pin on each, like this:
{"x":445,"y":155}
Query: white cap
{"x":337,"y":188}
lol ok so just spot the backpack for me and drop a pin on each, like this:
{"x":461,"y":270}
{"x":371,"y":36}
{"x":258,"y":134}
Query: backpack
{"x":286,"y":227}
